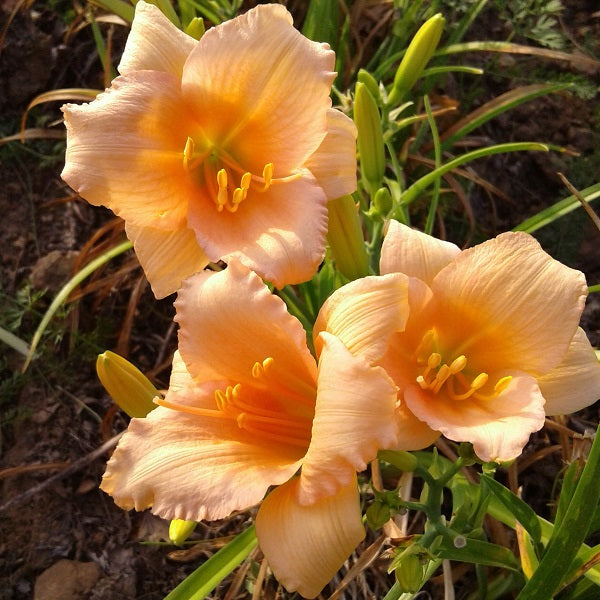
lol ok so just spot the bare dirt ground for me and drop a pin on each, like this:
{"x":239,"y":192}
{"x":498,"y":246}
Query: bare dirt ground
{"x":69,"y":533}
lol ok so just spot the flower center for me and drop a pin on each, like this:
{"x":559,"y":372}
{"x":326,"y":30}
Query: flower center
{"x":435,"y":374}
{"x":218,"y":173}
{"x":257,"y":410}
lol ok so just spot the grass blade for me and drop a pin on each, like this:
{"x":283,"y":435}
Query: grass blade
{"x":567,"y":538}
{"x":522,"y":511}
{"x":67,"y":289}
{"x":419,"y":186}
{"x":497,"y":106}
{"x":122,"y":9}
{"x":560,"y":209}
{"x":16,"y":343}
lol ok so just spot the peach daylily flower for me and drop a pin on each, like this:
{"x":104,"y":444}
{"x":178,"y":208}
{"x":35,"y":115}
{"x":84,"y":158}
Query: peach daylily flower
{"x":247,"y":407}
{"x":490,"y":343}
{"x":225,"y":147}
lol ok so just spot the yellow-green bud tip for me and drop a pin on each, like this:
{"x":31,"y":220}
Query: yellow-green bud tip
{"x":126,"y":384}
{"x":417,"y":56}
{"x":196,"y":28}
{"x":180,"y":530}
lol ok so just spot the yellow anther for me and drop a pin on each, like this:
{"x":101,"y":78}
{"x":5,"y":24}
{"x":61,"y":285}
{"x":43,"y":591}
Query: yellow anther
{"x":222,"y":196}
{"x":238,"y":196}
{"x":434,"y":360}
{"x":479,"y":381}
{"x":220,"y":399}
{"x":441,"y":378}
{"x":257,"y":370}
{"x":458,"y":364}
{"x":502,"y":384}
{"x":188,"y":153}
{"x":421,"y":381}
{"x":246,"y":179}
{"x":268,"y":175}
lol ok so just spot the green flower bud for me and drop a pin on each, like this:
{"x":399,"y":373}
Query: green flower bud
{"x":196,"y":28}
{"x":409,"y":574}
{"x":346,"y":239}
{"x":405,"y":461}
{"x":382,"y":202}
{"x":370,"y":137}
{"x":378,"y":514}
{"x":371,"y":83}
{"x":180,"y":530}
{"x":126,"y":384}
{"x":417,"y":56}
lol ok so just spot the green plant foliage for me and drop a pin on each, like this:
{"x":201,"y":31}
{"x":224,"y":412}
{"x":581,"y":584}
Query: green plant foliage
{"x":536,"y":20}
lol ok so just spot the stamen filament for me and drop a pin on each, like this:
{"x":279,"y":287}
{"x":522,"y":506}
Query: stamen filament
{"x":283,"y":439}
{"x":269,"y":371}
{"x":192,"y":410}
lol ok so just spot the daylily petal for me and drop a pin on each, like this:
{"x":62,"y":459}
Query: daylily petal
{"x":279,"y":233}
{"x":511,"y":304}
{"x":191,"y":467}
{"x":413,"y":434}
{"x":364,"y":313}
{"x":229,"y":321}
{"x":497,"y":428}
{"x":306,"y":545}
{"x":125,"y":150}
{"x":154,"y":43}
{"x":354,"y":418}
{"x":262,"y":84}
{"x":406,"y":250}
{"x":334,"y":162}
{"x":575,"y":383}
{"x":167,"y":257}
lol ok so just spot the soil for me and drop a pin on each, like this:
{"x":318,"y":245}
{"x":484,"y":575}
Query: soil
{"x":69,"y":531}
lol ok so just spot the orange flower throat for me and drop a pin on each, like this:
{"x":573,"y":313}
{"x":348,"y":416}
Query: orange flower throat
{"x":435,"y":374}
{"x":218,"y":172}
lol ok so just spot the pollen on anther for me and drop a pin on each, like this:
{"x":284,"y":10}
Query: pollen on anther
{"x":188,"y":152}
{"x":502,"y":384}
{"x":458,"y":364}
{"x":479,"y":381}
{"x":434,"y":360}
{"x":222,"y":193}
{"x":268,"y":174}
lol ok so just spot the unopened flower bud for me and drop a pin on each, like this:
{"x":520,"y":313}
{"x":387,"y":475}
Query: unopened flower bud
{"x":196,"y":28}
{"x":378,"y":514}
{"x":365,"y":77}
{"x":346,"y":239}
{"x":370,"y":137}
{"x":409,"y":574}
{"x":382,"y":202}
{"x":180,"y":530}
{"x":127,"y":385}
{"x":417,"y":56}
{"x":405,"y":461}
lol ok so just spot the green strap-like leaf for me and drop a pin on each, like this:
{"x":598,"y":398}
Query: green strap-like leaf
{"x":478,"y":552}
{"x":567,"y":538}
{"x":206,"y":577}
{"x":522,"y":511}
{"x":560,"y":209}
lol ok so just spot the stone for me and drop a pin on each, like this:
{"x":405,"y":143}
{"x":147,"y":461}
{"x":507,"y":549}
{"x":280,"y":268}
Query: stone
{"x":67,"y":580}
